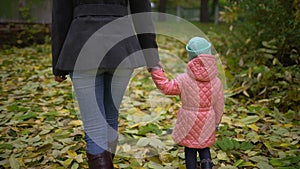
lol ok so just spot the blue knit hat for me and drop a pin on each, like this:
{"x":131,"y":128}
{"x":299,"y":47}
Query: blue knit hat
{"x":197,"y":46}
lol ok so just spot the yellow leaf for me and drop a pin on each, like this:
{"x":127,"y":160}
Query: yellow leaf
{"x":246,"y":93}
{"x":65,"y":112}
{"x":30,"y":148}
{"x":284,"y":145}
{"x":135,"y":125}
{"x":76,"y":123}
{"x":253,"y":127}
{"x":67,"y":163}
{"x":289,"y":125}
{"x":72,"y":153}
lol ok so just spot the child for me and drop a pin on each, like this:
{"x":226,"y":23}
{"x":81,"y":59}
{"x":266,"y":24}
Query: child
{"x":202,"y":100}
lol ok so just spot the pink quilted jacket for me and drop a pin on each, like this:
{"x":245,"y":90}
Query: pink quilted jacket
{"x":202,"y":100}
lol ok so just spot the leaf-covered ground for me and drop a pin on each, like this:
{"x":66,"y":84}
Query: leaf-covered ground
{"x":40,"y":128}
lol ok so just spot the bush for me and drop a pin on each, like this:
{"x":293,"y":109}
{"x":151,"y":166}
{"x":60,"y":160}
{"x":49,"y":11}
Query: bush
{"x":262,"y":51}
{"x":275,"y":21}
{"x":23,"y":34}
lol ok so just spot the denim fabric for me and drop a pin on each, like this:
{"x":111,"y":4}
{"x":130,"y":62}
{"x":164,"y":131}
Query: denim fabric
{"x":191,"y":156}
{"x":99,"y":94}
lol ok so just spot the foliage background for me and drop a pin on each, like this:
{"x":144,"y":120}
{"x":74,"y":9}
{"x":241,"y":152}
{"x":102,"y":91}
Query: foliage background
{"x":39,"y":126}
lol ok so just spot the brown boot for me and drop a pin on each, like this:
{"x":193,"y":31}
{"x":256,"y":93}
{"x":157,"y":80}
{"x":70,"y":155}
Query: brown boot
{"x":100,"y":161}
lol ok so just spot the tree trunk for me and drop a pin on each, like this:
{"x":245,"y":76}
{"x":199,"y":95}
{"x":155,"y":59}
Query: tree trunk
{"x":178,"y":13}
{"x":204,"y":11}
{"x":216,"y":10}
{"x":162,"y":7}
{"x":22,"y":3}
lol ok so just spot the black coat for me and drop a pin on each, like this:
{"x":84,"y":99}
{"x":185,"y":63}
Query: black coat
{"x":89,"y":34}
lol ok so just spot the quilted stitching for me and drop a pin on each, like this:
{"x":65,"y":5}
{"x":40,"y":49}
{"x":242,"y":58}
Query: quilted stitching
{"x":201,"y":72}
{"x":202,"y":101}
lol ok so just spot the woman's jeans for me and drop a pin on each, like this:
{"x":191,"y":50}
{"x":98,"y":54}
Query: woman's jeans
{"x":191,"y":156}
{"x":99,"y":94}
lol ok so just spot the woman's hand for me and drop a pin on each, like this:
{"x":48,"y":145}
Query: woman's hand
{"x":60,"y":78}
{"x":159,"y":66}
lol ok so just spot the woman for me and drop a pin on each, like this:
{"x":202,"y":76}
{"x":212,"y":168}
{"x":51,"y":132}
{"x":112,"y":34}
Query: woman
{"x":98,"y":44}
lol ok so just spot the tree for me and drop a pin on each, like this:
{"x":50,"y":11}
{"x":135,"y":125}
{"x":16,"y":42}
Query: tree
{"x":204,"y":11}
{"x":162,"y":7}
{"x":215,"y":10}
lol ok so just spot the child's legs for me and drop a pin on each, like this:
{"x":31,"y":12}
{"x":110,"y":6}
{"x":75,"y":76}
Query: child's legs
{"x":204,"y":153}
{"x":190,"y":158}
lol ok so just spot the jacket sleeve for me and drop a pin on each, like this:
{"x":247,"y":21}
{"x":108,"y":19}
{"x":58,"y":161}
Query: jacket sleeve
{"x":62,"y":15}
{"x":219,"y":103}
{"x":145,"y":30}
{"x":166,"y":86}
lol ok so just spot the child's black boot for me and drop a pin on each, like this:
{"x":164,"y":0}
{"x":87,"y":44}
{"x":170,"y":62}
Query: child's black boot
{"x":206,"y":164}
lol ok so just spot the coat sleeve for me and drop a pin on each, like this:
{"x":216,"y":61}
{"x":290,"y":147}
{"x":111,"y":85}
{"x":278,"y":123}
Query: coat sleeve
{"x":166,"y":86}
{"x":145,"y":30}
{"x":62,"y":15}
{"x":219,"y":102}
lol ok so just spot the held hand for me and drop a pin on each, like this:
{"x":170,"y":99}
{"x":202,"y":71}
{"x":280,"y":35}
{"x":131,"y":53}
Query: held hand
{"x":161,"y":66}
{"x":60,"y":78}
{"x":158,"y":66}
